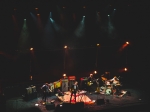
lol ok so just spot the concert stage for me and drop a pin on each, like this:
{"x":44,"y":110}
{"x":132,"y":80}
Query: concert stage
{"x":133,"y":100}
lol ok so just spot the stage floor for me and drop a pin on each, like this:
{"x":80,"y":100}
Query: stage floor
{"x":138,"y":100}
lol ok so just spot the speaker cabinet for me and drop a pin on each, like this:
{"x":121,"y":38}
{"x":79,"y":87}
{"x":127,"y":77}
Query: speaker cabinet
{"x":100,"y":101}
{"x":50,"y":106}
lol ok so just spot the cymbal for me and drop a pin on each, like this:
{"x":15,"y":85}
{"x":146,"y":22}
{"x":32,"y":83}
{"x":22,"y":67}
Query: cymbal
{"x":103,"y":78}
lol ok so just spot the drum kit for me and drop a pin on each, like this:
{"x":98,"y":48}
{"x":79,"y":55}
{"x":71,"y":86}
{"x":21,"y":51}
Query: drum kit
{"x":110,"y":86}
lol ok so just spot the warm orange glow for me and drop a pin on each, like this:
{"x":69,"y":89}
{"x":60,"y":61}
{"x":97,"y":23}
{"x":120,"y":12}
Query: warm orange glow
{"x":30,"y":77}
{"x":95,"y":72}
{"x":64,"y":75}
{"x":65,"y":47}
{"x":125,"y":69}
{"x":31,"y":49}
{"x":127,"y":42}
{"x":98,"y":44}
{"x":107,"y":72}
{"x":36,"y":8}
{"x":38,"y":14}
{"x":123,"y":46}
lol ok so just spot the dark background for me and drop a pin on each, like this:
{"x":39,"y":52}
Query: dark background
{"x":130,"y":22}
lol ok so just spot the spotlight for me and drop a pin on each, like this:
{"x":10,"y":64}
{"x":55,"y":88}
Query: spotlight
{"x":31,"y":49}
{"x":95,"y":72}
{"x":125,"y":69}
{"x":127,"y":42}
{"x":64,"y":75}
{"x":31,"y":77}
{"x":65,"y":47}
{"x":94,"y":101}
{"x":108,"y":15}
{"x":114,"y":9}
{"x":98,"y":44}
{"x":36,"y":105}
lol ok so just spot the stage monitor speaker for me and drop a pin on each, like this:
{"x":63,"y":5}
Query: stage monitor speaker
{"x":100,"y":101}
{"x":50,"y":106}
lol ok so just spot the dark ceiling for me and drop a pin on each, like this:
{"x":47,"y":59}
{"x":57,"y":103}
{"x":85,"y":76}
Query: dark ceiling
{"x":131,"y":23}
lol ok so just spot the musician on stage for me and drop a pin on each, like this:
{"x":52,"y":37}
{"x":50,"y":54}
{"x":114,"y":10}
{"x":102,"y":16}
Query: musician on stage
{"x":115,"y":84}
{"x":90,"y":81}
{"x":74,"y":90}
{"x":45,"y":91}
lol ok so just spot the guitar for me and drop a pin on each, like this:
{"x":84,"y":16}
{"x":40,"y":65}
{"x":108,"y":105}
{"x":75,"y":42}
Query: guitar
{"x":117,"y":82}
{"x":50,"y":90}
{"x":89,"y":83}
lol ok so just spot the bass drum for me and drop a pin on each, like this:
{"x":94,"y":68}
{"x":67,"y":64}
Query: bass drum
{"x":108,"y":91}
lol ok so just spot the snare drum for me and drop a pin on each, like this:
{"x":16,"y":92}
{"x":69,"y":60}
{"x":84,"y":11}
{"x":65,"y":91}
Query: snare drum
{"x":108,"y":91}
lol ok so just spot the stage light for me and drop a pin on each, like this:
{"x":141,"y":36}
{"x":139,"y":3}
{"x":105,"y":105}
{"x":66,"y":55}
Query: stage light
{"x":94,"y":101}
{"x":36,"y":105}
{"x":95,"y":72}
{"x":64,"y":75}
{"x":31,"y":49}
{"x":83,"y":16}
{"x":98,"y":44}
{"x":36,"y":8}
{"x":31,"y":77}
{"x":114,"y":9}
{"x":38,"y":14}
{"x":127,"y":42}
{"x":84,"y":7}
{"x":24,"y":19}
{"x":108,"y":15}
{"x":65,"y":47}
{"x":125,"y":69}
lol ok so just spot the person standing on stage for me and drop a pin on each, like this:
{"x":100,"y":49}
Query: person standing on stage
{"x":45,"y":91}
{"x":74,"y":90}
{"x":90,"y":81}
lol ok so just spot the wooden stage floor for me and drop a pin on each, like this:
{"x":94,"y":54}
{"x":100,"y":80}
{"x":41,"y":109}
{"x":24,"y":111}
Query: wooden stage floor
{"x":133,"y":100}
